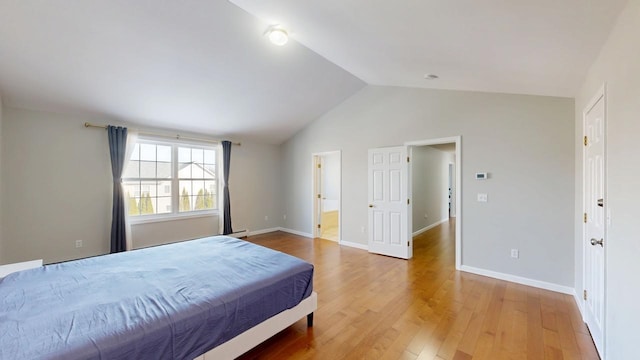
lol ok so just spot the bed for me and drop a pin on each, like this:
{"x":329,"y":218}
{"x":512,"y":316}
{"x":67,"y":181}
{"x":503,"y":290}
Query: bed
{"x":211,"y":298}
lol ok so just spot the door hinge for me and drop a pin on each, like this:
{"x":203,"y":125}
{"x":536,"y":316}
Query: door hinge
{"x":407,"y":159}
{"x":584,"y":294}
{"x":318,"y":226}
{"x":586,"y":140}
{"x":407,"y":201}
{"x":408,"y":244}
{"x":584,"y":218}
{"x":319,"y":196}
{"x":319,"y":165}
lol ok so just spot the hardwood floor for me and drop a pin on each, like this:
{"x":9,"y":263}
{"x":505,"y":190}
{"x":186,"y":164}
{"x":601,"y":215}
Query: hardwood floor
{"x":329,"y":221}
{"x":377,"y":307}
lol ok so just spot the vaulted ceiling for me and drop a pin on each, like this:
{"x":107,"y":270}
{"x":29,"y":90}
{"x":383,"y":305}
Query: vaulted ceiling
{"x":205,"y":66}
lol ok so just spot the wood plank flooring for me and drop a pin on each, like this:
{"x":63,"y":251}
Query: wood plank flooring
{"x":329,"y":221}
{"x":377,"y":307}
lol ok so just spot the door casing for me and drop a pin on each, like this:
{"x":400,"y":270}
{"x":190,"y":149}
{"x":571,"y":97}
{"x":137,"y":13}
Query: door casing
{"x":315,"y":190}
{"x":458,"y":174}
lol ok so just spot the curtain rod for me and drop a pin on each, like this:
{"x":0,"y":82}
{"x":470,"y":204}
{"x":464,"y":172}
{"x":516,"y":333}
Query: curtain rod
{"x":177,"y":136}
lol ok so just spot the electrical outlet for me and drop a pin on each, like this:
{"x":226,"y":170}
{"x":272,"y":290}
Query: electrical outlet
{"x":78,"y":243}
{"x":362,"y":229}
{"x":482,"y":197}
{"x":266,"y":218}
{"x":515,"y":253}
{"x":284,"y":217}
{"x":425,"y":216}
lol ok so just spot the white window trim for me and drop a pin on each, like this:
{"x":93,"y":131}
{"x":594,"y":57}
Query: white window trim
{"x":175,"y":195}
{"x":145,"y":219}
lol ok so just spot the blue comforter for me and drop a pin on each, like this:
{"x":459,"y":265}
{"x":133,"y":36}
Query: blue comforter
{"x":174,"y":301}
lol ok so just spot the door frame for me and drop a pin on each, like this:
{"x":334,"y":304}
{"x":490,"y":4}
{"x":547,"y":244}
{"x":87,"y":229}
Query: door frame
{"x":314,"y":188}
{"x":600,"y":94}
{"x":458,"y":173}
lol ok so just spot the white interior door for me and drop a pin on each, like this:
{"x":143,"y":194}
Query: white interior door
{"x":594,"y":243}
{"x":388,"y":202}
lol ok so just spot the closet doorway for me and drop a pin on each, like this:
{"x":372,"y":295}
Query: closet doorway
{"x":326,"y":195}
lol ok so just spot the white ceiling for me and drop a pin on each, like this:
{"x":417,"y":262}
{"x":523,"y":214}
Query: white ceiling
{"x":192,"y":65}
{"x":540,"y":47}
{"x":204,"y":66}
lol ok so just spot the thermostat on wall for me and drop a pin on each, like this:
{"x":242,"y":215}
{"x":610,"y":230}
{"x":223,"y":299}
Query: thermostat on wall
{"x":481,"y":176}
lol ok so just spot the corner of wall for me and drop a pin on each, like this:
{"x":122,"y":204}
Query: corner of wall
{"x":1,"y":202}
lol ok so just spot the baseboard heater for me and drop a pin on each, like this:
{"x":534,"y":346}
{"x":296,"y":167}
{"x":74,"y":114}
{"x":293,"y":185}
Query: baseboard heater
{"x":240,"y":234}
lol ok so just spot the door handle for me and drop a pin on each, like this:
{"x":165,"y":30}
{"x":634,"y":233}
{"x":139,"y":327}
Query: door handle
{"x":601,"y":202}
{"x":370,"y":205}
{"x":595,"y":242}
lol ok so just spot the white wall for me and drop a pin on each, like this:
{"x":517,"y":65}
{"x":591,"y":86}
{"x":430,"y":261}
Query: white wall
{"x":56,"y":188}
{"x":619,"y":66}
{"x":430,"y":184}
{"x":524,"y":141}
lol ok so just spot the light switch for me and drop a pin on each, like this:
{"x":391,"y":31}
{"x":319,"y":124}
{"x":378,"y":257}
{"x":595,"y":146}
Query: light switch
{"x":482,"y":197}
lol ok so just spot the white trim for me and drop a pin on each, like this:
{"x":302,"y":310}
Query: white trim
{"x":427,"y":228}
{"x":354,"y":245}
{"x":239,"y":234}
{"x":296,"y":232}
{"x":314,"y":190}
{"x":458,"y":215}
{"x":519,"y":280}
{"x":147,"y":219}
{"x":263,"y":231}
{"x":261,"y":332}
{"x":579,"y":302}
{"x":602,"y":91}
{"x":600,"y":94}
{"x":15,"y":267}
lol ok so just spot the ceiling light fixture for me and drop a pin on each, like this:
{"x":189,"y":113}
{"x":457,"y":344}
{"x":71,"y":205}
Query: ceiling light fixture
{"x":430,"y":76}
{"x":277,"y":35}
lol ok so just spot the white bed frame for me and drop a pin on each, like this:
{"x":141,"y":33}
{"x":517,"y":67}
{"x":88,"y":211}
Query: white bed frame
{"x":239,"y":344}
{"x":261,"y":332}
{"x":11,"y":268}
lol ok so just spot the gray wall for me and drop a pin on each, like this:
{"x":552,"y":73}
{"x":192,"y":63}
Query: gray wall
{"x":430,"y":183}
{"x":1,"y":201}
{"x":619,"y":66}
{"x":56,"y":189}
{"x":525,"y":142}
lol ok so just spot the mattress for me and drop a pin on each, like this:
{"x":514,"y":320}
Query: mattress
{"x":173,"y":301}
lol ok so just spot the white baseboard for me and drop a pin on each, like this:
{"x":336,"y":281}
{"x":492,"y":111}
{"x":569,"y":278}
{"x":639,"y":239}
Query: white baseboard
{"x":520,"y":280}
{"x":354,"y":245}
{"x":426,"y":228}
{"x":579,"y":303}
{"x":240,"y":234}
{"x":296,"y":232}
{"x":263,"y":231}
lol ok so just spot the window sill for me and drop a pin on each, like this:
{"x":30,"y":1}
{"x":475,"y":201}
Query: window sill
{"x":172,"y":217}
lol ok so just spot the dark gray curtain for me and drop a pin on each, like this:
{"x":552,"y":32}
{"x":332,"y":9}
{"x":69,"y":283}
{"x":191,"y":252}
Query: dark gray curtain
{"x":117,"y":149}
{"x":226,"y":162}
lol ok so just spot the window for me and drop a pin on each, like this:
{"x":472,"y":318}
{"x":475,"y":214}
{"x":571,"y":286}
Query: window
{"x":164,"y":178}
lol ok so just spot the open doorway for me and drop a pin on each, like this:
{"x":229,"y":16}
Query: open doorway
{"x":434,"y":188}
{"x":326,"y":195}
{"x":431,"y":190}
